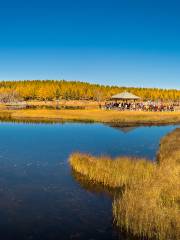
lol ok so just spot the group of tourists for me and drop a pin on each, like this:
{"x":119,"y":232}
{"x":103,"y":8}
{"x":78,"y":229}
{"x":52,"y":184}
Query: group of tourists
{"x":140,"y":106}
{"x":128,"y":101}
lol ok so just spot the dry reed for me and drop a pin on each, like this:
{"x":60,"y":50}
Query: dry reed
{"x":98,"y":115}
{"x":150,"y":203}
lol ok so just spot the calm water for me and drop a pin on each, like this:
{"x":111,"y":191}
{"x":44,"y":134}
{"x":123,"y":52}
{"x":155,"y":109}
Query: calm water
{"x":40,"y":198}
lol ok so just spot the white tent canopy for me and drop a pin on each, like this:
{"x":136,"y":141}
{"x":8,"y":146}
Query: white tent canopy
{"x":125,"y":96}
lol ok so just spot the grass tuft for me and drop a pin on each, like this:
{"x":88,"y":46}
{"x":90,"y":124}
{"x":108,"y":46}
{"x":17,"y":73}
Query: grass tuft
{"x":150,"y":203}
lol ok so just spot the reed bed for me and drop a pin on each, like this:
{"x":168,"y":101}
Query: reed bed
{"x":150,"y":203}
{"x":98,"y":115}
{"x":114,"y":173}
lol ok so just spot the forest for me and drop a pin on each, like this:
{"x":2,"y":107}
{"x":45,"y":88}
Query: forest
{"x":76,"y":90}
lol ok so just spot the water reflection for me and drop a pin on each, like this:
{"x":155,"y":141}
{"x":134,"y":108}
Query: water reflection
{"x":112,"y":193}
{"x":47,"y":207}
{"x":40,"y":198}
{"x":93,"y":186}
{"x":125,"y":129}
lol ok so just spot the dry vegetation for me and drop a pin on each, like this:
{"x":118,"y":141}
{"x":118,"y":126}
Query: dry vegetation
{"x":150,"y":203}
{"x":106,"y":171}
{"x":75,"y":90}
{"x":96,"y":115}
{"x":86,"y":104}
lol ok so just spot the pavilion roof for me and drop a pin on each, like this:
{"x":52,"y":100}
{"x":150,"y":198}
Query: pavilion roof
{"x":125,"y":96}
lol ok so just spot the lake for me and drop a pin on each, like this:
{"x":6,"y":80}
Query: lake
{"x":40,"y":197}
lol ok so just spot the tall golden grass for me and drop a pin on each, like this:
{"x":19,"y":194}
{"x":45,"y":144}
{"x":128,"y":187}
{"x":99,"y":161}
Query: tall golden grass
{"x":150,"y":203}
{"x":111,"y":172}
{"x":97,"y":115}
{"x":88,"y":104}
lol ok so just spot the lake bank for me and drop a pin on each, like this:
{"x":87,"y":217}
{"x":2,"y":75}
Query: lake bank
{"x":38,"y":182}
{"x":149,"y":204}
{"x":94,"y":115}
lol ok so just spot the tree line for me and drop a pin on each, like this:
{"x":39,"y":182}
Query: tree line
{"x":76,"y":90}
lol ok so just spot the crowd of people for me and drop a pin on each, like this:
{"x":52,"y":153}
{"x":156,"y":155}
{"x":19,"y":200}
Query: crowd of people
{"x":140,"y":106}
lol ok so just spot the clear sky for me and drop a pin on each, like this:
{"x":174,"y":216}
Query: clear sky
{"x":121,"y":42}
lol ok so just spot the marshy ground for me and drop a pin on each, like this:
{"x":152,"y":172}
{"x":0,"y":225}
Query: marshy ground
{"x":93,"y":115}
{"x":148,"y":201}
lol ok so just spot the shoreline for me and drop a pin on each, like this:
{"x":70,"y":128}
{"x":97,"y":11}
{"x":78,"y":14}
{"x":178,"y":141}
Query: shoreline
{"x":146,"y":195}
{"x":110,"y":117}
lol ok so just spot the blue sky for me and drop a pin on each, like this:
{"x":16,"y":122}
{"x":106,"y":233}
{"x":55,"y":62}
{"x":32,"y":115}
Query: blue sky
{"x":123,"y":42}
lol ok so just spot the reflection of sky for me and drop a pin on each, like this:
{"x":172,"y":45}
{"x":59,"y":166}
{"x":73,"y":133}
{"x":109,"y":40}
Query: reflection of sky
{"x":39,"y":197}
{"x":47,"y":142}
